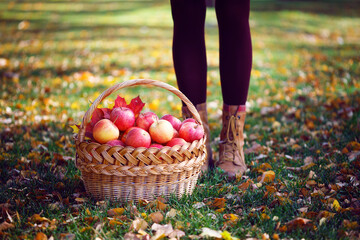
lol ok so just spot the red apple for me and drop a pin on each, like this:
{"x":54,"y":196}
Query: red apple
{"x":176,"y":141}
{"x":145,"y":120}
{"x":175,"y":122}
{"x":189,"y":120}
{"x":116,"y":142}
{"x":156,"y":145}
{"x":123,"y":137}
{"x":105,"y":130}
{"x":138,"y":137}
{"x":176,"y":134}
{"x":122,"y":117}
{"x":191,"y":131}
{"x":161,"y":131}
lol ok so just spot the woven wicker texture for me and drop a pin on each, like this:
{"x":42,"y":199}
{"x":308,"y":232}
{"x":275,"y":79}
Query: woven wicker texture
{"x":127,"y":173}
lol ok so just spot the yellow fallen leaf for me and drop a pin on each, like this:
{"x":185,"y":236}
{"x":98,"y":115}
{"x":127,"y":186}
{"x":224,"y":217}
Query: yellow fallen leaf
{"x":75,"y":128}
{"x":227,"y":236}
{"x":268,"y":176}
{"x":115,"y":212}
{"x":336,"y":205}
{"x":87,"y":211}
{"x":264,"y":216}
{"x":115,"y":222}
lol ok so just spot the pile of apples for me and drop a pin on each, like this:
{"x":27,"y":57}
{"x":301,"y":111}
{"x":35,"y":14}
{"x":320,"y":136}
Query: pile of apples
{"x":125,"y":125}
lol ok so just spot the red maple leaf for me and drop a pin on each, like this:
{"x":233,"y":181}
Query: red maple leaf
{"x":120,"y":102}
{"x":106,"y":112}
{"x":136,"y":105}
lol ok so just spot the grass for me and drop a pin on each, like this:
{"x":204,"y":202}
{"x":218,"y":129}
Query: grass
{"x":55,"y":58}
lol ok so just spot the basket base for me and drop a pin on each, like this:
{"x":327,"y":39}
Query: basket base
{"x":124,"y":189}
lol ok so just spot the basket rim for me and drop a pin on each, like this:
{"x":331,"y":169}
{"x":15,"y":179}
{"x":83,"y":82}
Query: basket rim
{"x":129,"y":83}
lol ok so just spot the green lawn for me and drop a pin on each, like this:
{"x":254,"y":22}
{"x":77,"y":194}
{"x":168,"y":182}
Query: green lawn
{"x":56,"y":57}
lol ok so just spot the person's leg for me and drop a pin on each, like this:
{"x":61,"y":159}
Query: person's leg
{"x":189,"y":53}
{"x":189,"y":57}
{"x":235,"y":68}
{"x":235,"y":49}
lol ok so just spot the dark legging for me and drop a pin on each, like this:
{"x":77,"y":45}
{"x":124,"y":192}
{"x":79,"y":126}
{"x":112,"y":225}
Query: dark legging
{"x":189,"y":53}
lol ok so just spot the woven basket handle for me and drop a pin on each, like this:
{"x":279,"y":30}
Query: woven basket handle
{"x":135,"y":82}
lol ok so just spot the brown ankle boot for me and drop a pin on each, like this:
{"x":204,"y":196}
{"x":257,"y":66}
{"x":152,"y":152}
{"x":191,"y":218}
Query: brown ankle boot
{"x":231,"y":153}
{"x":201,"y":108}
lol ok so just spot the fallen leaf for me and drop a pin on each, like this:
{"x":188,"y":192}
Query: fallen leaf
{"x":157,"y":204}
{"x":172,"y":213}
{"x":115,"y":212}
{"x":255,"y":148}
{"x":41,"y":236}
{"x":165,"y":230}
{"x":350,"y":225}
{"x":176,"y":234}
{"x":156,"y":217}
{"x":336,"y":205}
{"x":139,"y":224}
{"x":198,"y":205}
{"x":244,"y":186}
{"x":298,"y":223}
{"x":36,"y":218}
{"x":67,"y":236}
{"x":227,"y":236}
{"x":114,"y":222}
{"x":5,"y":226}
{"x":268,"y":176}
{"x":217,"y":203}
{"x":207,"y":232}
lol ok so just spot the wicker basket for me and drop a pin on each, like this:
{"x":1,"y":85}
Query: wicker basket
{"x":125,"y":173}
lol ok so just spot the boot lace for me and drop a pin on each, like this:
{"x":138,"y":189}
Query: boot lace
{"x":230,"y":144}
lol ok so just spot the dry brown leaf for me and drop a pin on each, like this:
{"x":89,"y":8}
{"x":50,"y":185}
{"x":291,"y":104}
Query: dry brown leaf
{"x":297,"y":223}
{"x":217,"y":203}
{"x":5,"y":226}
{"x":156,"y":217}
{"x":255,"y":148}
{"x":132,"y":236}
{"x":67,"y":236}
{"x":157,"y":204}
{"x":303,"y":209}
{"x":325,"y":214}
{"x":176,"y":234}
{"x":350,"y":225}
{"x":244,"y":186}
{"x":311,"y":183}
